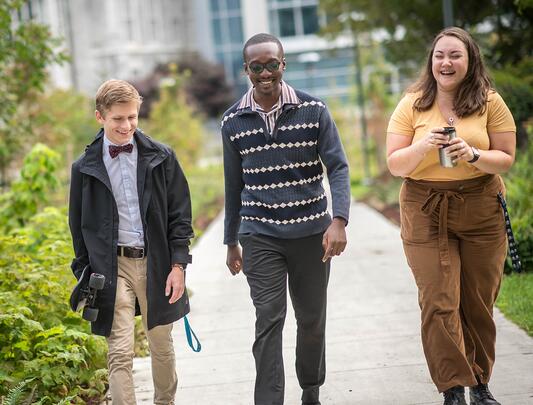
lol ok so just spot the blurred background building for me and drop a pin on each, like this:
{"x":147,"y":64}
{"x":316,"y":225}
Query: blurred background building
{"x":115,"y":38}
{"x":128,"y":38}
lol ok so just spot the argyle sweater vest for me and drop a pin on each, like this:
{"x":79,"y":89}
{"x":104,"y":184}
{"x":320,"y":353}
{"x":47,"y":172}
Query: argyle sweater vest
{"x":274,"y":181}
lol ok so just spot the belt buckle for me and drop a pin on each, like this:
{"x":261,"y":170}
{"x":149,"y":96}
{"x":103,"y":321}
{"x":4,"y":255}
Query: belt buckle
{"x":142,"y":253}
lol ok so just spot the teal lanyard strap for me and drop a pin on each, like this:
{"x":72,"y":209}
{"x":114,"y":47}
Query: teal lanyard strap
{"x":190,"y":334}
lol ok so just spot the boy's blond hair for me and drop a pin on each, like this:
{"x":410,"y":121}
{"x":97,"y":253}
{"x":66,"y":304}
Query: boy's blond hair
{"x":115,"y":92}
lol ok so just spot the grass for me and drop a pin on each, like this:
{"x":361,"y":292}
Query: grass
{"x":516,"y":300}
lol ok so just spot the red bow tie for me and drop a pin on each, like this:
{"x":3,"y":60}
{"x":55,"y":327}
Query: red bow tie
{"x":115,"y":150}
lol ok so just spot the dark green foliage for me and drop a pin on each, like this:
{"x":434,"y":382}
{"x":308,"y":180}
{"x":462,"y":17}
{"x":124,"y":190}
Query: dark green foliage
{"x":16,"y":394}
{"x":39,"y":336}
{"x":26,"y":49}
{"x":32,"y":190}
{"x":515,"y":84}
{"x":519,"y":191}
{"x":507,"y":41}
{"x":207,"y":195}
{"x":206,"y":87}
{"x":176,"y":123}
{"x":41,"y":339}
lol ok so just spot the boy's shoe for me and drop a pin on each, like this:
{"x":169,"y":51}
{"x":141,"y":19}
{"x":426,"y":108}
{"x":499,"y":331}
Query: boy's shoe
{"x":455,"y":396}
{"x":480,"y":395}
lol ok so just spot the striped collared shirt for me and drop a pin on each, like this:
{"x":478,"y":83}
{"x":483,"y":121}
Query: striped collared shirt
{"x":287,"y":96}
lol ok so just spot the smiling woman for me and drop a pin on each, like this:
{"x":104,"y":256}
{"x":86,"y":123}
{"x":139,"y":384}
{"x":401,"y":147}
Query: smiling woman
{"x":450,"y":63}
{"x":452,"y":225}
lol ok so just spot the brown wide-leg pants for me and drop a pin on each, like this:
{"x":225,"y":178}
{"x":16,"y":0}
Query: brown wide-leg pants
{"x":454,"y":239}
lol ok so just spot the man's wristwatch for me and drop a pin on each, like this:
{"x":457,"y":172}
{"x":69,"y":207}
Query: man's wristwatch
{"x":475,"y":151}
{"x":179,"y":266}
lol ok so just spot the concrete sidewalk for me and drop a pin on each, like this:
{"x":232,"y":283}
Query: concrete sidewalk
{"x":374,"y":353}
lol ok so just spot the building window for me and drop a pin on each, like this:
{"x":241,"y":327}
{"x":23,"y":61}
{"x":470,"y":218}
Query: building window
{"x":291,"y":18}
{"x":309,"y":20}
{"x":286,"y":23}
{"x":126,"y":17}
{"x":228,"y":36}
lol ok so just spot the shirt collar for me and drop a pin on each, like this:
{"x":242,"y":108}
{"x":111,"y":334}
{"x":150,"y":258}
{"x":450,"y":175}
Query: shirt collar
{"x":287,"y":96}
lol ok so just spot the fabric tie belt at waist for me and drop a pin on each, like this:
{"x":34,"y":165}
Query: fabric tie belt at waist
{"x":439,"y":195}
{"x":439,"y":200}
{"x":131,"y":252}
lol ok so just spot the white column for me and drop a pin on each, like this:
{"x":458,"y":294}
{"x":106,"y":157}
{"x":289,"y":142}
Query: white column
{"x":254,"y":17}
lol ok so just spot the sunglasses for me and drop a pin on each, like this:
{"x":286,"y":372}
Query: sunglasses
{"x":272,"y":66}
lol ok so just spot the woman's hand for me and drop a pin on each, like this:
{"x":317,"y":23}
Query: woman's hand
{"x":434,"y":139}
{"x":459,"y":150}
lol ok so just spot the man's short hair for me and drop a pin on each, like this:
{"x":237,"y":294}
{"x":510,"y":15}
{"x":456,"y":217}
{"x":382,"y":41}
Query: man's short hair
{"x":261,"y":39}
{"x":114,"y":92}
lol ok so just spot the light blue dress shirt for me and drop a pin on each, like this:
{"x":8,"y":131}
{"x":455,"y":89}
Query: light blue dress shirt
{"x":122,"y":171}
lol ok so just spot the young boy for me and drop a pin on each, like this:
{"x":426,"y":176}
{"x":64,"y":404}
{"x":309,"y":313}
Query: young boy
{"x":130,"y":219}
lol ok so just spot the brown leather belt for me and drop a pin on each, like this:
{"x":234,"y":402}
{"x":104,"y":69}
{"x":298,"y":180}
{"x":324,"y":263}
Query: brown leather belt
{"x":131,"y":252}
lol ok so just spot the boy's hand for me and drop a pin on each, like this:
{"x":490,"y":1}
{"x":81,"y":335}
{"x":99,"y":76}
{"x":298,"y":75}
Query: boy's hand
{"x":334,"y":239}
{"x":176,"y":283}
{"x":234,"y":259}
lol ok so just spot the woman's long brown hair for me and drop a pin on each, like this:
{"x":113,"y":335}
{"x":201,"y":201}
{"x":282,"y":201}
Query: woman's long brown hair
{"x":473,"y":91}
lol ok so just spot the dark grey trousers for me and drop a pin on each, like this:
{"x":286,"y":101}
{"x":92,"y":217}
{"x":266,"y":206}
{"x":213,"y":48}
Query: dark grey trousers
{"x":267,"y":263}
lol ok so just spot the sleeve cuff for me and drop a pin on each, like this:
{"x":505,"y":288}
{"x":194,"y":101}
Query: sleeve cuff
{"x":181,"y":256}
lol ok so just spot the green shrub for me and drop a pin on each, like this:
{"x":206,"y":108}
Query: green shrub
{"x":520,"y":204}
{"x":31,"y":191}
{"x":517,"y":92}
{"x":207,"y":195}
{"x":174,"y":122}
{"x":46,"y":351}
{"x":40,"y":338}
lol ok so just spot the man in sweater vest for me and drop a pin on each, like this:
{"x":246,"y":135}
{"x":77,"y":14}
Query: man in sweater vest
{"x":276,"y":141}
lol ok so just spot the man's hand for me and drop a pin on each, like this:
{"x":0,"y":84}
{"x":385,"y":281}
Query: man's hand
{"x":334,"y":240}
{"x":176,"y":283}
{"x":234,"y":259}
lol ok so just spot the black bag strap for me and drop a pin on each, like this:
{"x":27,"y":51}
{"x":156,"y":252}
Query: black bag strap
{"x":513,"y":246}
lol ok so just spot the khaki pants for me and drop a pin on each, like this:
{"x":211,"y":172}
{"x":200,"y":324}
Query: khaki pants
{"x":455,"y":242}
{"x":131,"y":284}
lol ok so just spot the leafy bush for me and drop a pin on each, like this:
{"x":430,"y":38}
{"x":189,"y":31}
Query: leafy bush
{"x":64,"y":120}
{"x":519,"y":192}
{"x":517,"y":92}
{"x":174,"y":122}
{"x":26,"y":49}
{"x":32,"y":190}
{"x":42,"y":342}
{"x":207,"y":195}
{"x":40,"y":337}
{"x":206,"y":88}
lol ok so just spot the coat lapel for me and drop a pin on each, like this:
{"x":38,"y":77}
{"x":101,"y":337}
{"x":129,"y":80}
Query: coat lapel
{"x":149,"y":156}
{"x":93,"y":164}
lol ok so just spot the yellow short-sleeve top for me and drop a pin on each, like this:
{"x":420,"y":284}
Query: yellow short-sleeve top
{"x":474,"y":129}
